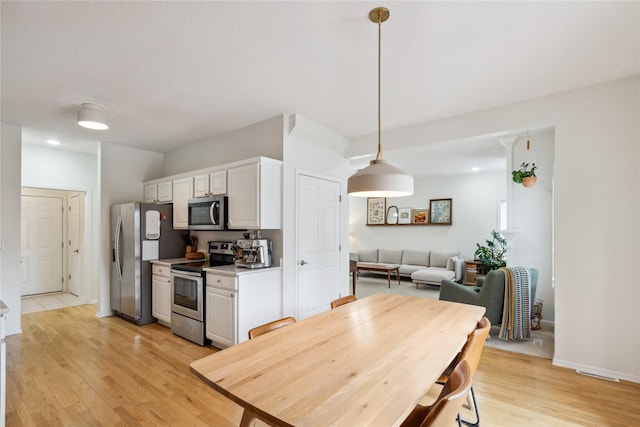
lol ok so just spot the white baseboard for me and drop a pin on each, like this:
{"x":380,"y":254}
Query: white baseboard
{"x":596,"y":372}
{"x":108,"y":314}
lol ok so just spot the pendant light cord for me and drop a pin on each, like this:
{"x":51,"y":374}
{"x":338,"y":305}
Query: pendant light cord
{"x":379,"y":155}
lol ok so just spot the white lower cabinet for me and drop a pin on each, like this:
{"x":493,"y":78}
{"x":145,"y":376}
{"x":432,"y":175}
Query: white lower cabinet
{"x":230,"y":313}
{"x":161,"y":294}
{"x":221,"y":315}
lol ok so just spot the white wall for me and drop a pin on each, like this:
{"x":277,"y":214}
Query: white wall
{"x":310,"y":148}
{"x":260,"y":139}
{"x":66,"y":170}
{"x":596,"y":213}
{"x":533,"y":215}
{"x":474,"y":206}
{"x":11,"y":141}
{"x":122,"y":172}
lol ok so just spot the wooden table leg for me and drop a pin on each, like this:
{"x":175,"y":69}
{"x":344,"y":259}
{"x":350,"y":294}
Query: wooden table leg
{"x":398,"y":275}
{"x":248,"y":418}
{"x":389,"y":279}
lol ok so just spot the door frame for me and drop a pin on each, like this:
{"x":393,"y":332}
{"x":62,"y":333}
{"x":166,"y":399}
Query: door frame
{"x":342,"y":269}
{"x":86,"y":238}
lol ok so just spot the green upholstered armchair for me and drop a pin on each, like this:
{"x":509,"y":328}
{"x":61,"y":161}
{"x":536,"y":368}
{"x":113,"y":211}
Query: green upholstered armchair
{"x":488,"y":293}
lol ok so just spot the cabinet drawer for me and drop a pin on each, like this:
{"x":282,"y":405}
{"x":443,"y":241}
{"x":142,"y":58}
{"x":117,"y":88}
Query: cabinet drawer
{"x":160,"y":270}
{"x":219,"y":281}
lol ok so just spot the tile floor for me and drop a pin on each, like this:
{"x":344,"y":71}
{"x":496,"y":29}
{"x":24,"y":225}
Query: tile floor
{"x":44,"y":302}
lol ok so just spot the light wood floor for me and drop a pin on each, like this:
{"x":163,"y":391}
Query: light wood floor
{"x":70,"y":368}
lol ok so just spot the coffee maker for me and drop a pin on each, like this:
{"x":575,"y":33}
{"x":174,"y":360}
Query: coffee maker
{"x":253,"y":253}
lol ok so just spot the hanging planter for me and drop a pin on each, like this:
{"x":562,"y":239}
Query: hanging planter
{"x":526,"y":175}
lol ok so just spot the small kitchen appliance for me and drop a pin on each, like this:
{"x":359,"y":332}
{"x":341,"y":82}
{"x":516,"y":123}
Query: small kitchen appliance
{"x":253,"y":253}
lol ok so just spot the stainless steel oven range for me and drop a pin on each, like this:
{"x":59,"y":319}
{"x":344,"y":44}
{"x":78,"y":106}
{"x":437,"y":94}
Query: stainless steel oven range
{"x":188,"y":292}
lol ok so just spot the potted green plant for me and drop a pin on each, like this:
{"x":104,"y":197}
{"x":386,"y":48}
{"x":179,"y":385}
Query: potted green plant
{"x":526,"y":175}
{"x":492,"y":255}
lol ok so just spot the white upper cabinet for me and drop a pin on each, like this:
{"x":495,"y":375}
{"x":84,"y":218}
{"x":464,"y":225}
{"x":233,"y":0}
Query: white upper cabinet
{"x":201,"y":185}
{"x":210,"y":184}
{"x":161,"y":192}
{"x":253,"y":186}
{"x":255,"y":195}
{"x":218,"y":183}
{"x":182,"y":192}
{"x":165,"y":192}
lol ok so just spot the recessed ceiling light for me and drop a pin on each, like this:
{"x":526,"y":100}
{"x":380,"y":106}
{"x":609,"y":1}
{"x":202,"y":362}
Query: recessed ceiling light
{"x":475,"y":169}
{"x":53,"y":142}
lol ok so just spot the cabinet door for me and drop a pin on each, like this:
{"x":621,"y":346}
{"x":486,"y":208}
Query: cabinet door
{"x":218,"y":183}
{"x":182,"y":192}
{"x":161,"y":299}
{"x":259,"y":300}
{"x":244,"y":190}
{"x":220,"y":324}
{"x":201,"y":185}
{"x":151,"y":193}
{"x":165,"y":191}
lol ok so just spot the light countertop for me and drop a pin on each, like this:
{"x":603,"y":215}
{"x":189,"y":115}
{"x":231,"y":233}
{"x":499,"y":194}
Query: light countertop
{"x":232,"y":270}
{"x":168,"y":262}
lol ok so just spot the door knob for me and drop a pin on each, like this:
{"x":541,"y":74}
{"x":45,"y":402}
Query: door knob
{"x":76,"y":251}
{"x":303,"y":262}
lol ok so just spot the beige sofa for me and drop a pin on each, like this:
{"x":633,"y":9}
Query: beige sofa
{"x":427,"y":267}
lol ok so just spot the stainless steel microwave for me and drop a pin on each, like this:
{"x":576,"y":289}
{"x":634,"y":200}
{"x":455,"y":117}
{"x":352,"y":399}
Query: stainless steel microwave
{"x":208,"y":213}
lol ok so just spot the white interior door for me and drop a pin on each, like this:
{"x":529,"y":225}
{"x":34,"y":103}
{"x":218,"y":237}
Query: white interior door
{"x":318,"y":243}
{"x":75,"y":243}
{"x":41,"y":239}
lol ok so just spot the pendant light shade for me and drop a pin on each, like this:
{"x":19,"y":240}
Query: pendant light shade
{"x":380,"y":179}
{"x":93,"y":116}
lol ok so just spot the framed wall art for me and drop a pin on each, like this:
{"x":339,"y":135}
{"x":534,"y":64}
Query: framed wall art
{"x":420,"y":216}
{"x":376,"y":210}
{"x":404,"y":216}
{"x":440,"y":211}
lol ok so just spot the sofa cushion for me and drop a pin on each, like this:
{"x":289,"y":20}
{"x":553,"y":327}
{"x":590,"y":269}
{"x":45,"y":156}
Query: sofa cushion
{"x":432,"y":275}
{"x":415,"y":257}
{"x":368,"y":255}
{"x":408,"y":269}
{"x":439,"y":259}
{"x":390,"y":256}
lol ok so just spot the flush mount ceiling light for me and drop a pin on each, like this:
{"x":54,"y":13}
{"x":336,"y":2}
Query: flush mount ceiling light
{"x":93,"y":116}
{"x":380,"y":179}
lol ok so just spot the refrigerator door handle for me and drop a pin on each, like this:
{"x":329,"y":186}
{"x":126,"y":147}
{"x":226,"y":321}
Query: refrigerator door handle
{"x":117,"y":247}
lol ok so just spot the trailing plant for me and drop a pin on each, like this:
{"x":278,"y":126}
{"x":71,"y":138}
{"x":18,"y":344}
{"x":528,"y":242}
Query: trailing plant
{"x":492,"y":255}
{"x":524,"y":172}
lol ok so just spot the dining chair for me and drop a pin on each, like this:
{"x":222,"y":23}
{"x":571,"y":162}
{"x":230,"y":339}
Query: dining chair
{"x":471,"y":353}
{"x":268,"y":327}
{"x":446,"y":407}
{"x":341,"y":301}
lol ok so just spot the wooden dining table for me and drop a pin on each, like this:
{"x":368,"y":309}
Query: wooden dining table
{"x":368,"y":362}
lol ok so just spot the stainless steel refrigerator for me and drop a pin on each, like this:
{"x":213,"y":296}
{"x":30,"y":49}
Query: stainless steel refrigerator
{"x":140,"y":233}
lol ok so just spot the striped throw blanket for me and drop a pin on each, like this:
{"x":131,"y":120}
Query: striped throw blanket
{"x":516,"y":314}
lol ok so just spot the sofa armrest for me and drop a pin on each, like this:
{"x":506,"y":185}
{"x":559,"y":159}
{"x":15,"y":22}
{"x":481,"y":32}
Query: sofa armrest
{"x":480,"y":281}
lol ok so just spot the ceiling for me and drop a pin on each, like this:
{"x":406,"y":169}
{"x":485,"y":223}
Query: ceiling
{"x":172,"y":73}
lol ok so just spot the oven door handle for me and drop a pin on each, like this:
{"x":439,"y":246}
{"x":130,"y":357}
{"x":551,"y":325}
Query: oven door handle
{"x":185,"y":273}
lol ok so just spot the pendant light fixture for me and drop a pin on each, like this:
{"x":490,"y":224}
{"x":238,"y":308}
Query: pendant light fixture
{"x":380,"y":179}
{"x":93,"y":116}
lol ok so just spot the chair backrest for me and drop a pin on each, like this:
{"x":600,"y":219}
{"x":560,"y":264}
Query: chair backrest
{"x":445,"y":410}
{"x":344,"y":300}
{"x":267,"y":327}
{"x":472,"y":350}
